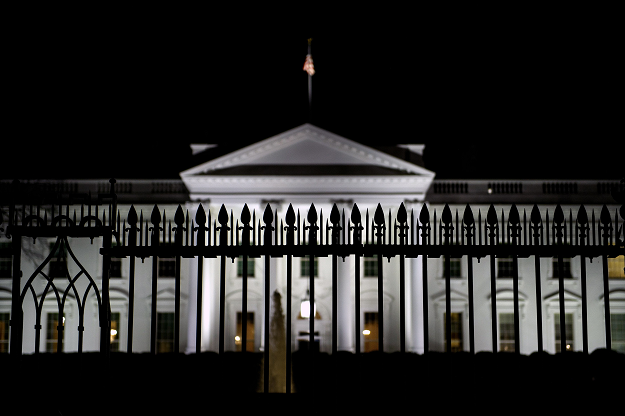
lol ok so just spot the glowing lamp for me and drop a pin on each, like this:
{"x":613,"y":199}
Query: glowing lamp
{"x":305,"y":307}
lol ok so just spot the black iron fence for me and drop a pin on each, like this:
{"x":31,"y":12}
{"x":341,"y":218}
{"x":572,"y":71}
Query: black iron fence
{"x":349,"y":235}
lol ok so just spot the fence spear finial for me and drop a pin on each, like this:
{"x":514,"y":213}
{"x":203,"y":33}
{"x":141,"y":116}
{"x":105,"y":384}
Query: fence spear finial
{"x":156,"y":216}
{"x":200,"y":216}
{"x":424,"y":215}
{"x":467,"y":217}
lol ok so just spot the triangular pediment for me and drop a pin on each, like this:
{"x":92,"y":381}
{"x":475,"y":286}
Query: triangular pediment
{"x":306,"y":147}
{"x":305,"y":163}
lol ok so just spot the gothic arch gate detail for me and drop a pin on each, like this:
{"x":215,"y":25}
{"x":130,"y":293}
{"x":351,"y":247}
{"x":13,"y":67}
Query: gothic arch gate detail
{"x":35,"y":215}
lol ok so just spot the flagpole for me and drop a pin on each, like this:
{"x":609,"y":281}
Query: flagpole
{"x":309,"y":96}
{"x":309,"y":68}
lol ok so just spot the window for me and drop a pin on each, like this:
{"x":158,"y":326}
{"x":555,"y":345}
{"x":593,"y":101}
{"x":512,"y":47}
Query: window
{"x":505,"y":267}
{"x":454,"y":268}
{"x":568,"y":327}
{"x":304,"y":268}
{"x":52,"y":328}
{"x":250,"y":267}
{"x":116,"y":267}
{"x":6,"y":260}
{"x":238,"y":338}
{"x":506,"y":332}
{"x":456,"y":331}
{"x":4,"y":332}
{"x":164,"y":332}
{"x":371,"y":332}
{"x":615,"y":267}
{"x":566,"y":268}
{"x":617,"y":326}
{"x":58,"y":261}
{"x":166,"y":265}
{"x":371,"y":266}
{"x":115,"y":325}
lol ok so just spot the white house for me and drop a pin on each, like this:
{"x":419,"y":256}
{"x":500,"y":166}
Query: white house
{"x":310,"y":165}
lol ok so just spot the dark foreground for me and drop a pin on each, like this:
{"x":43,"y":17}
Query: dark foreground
{"x":142,"y":384}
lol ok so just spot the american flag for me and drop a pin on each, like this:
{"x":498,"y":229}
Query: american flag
{"x":308,"y":65}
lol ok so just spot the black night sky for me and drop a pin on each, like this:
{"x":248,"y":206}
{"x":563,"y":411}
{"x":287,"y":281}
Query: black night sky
{"x":491,"y":96}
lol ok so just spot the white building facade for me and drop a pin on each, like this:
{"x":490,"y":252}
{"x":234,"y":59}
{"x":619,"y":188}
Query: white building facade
{"x":300,"y":167}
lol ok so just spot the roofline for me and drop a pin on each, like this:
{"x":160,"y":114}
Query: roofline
{"x":250,"y":149}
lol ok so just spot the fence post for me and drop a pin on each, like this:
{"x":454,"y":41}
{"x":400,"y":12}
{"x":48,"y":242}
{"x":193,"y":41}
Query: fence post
{"x":132,"y":243}
{"x":402,"y":219}
{"x":335,"y":219}
{"x":469,"y":228}
{"x":493,"y":228}
{"x":357,"y":239}
{"x":223,"y":242}
{"x":267,"y":236}
{"x":200,"y":220}
{"x":606,"y":233}
{"x":245,"y":243}
{"x":105,"y":309}
{"x":537,"y":228}
{"x":558,"y":225}
{"x":582,"y":227}
{"x":290,"y":242}
{"x":514,"y":227}
{"x":378,"y":218}
{"x":424,"y":219}
{"x":179,"y":230}
{"x":448,"y":233}
{"x":156,"y":220}
{"x":17,"y":314}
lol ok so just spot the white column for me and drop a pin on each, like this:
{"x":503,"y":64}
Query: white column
{"x":345,"y":291}
{"x":192,"y":304}
{"x":207,"y":290}
{"x":345,"y":305}
{"x":192,"y":320}
{"x":414,"y":288}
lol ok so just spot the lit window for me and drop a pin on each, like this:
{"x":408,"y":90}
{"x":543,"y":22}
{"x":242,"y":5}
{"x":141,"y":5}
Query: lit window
{"x":238,"y":338}
{"x":506,"y":332}
{"x":4,"y":332}
{"x":456,"y":331}
{"x":616,"y":267}
{"x":617,"y":326}
{"x":115,"y":328}
{"x":164,"y":332}
{"x":371,"y":331}
{"x":52,"y":331}
{"x":568,"y":327}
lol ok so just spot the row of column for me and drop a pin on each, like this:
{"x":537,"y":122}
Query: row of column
{"x":345,"y":302}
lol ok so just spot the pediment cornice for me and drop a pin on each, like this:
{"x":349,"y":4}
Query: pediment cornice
{"x":316,"y":147}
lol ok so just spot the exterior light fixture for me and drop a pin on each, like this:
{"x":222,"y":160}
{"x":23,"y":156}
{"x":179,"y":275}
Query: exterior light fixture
{"x":305,"y":306}
{"x":366,"y":332}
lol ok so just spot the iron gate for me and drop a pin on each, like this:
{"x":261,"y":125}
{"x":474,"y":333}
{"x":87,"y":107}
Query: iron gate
{"x":348,"y":235}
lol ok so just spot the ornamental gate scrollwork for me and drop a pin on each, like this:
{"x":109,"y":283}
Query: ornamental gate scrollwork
{"x":39,"y":216}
